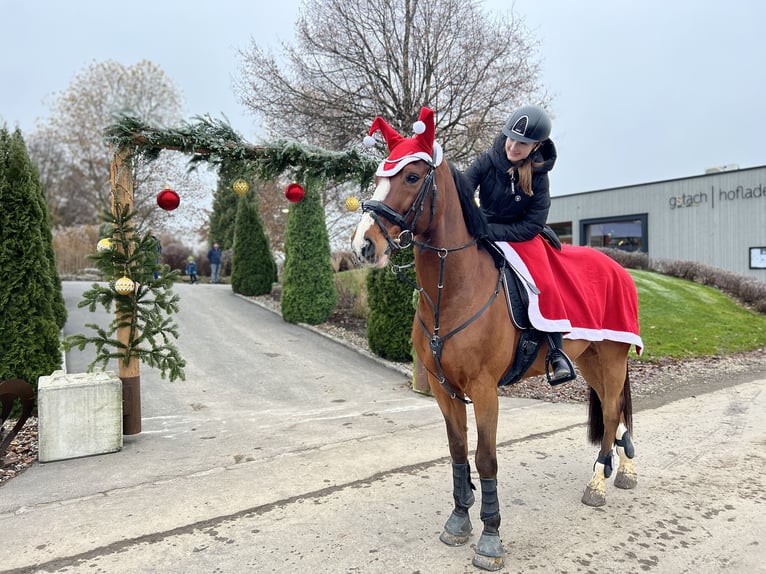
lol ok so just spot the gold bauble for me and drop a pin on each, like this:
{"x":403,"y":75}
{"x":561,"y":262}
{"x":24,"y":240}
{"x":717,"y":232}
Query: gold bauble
{"x":352,"y":204}
{"x":124,"y":285}
{"x":240,"y":186}
{"x":104,"y":244}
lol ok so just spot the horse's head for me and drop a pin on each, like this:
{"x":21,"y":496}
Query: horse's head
{"x":404,"y":189}
{"x":401,"y":207}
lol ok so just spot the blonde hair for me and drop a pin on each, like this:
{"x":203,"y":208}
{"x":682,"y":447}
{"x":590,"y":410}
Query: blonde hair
{"x":524,"y":170}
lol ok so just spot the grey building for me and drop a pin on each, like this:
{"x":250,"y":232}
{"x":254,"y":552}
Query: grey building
{"x":718,"y":219}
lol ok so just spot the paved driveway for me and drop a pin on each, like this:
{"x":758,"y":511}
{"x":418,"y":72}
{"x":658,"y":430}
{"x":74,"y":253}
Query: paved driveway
{"x":284,"y":452}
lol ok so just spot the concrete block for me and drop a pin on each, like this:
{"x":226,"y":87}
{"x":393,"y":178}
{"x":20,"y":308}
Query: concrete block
{"x":78,"y":414}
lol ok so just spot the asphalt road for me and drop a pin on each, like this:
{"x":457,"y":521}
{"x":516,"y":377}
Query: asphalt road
{"x":284,"y":451}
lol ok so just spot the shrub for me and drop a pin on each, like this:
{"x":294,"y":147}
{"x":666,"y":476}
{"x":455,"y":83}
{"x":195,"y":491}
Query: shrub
{"x":389,"y":310}
{"x":253,"y":267}
{"x":308,"y":286}
{"x":30,"y":290}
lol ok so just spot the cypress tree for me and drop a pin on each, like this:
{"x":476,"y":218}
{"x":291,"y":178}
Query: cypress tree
{"x":253,"y":267}
{"x":308,"y":282}
{"x":389,"y":310}
{"x":225,"y":204}
{"x":29,"y":318}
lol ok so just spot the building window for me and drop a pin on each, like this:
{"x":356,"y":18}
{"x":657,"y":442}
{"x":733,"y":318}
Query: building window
{"x":627,"y":232}
{"x":563,"y":230}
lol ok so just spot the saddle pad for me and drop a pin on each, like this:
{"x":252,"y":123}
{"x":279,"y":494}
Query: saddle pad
{"x":577,"y":291}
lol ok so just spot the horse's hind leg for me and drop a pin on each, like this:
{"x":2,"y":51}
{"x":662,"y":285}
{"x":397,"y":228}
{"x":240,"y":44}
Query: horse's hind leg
{"x":604,"y":366}
{"x":626,"y":477}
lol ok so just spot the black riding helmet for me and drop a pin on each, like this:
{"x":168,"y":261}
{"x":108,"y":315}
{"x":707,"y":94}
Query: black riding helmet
{"x":528,"y":124}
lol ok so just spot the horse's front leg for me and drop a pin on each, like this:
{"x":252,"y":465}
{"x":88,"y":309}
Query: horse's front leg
{"x":489,"y":550}
{"x":458,"y":527}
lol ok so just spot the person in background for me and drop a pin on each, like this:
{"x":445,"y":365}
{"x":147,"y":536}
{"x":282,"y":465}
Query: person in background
{"x":514,"y":194}
{"x":214,"y":257}
{"x":159,"y":255}
{"x":191,"y":270}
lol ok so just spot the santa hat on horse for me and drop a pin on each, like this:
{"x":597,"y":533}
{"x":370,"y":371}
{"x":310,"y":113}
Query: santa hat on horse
{"x":406,"y":150}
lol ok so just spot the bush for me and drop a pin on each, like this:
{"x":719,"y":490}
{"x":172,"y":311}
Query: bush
{"x":30,"y":289}
{"x":389,"y":310}
{"x":253,"y":267}
{"x":308,"y":292}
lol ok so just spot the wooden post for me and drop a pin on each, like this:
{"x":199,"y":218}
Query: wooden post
{"x":121,"y":176}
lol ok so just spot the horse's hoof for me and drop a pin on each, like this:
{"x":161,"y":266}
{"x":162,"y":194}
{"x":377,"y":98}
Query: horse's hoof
{"x":457,"y":529}
{"x":593,"y":497}
{"x":454,"y":539}
{"x":491,"y":563}
{"x":489,"y":552}
{"x":626,"y":480}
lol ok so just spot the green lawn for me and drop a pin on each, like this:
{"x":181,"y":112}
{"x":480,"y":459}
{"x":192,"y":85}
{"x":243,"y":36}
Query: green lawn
{"x":683,"y":319}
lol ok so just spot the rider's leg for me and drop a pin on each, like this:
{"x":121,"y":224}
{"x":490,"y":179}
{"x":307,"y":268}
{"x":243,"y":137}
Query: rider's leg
{"x":561,"y":368}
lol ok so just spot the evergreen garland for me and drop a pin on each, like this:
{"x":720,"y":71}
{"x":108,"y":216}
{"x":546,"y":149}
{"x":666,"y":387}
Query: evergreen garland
{"x":215,"y":142}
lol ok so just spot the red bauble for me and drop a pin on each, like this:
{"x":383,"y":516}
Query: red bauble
{"x":294,"y":193}
{"x":168,"y":199}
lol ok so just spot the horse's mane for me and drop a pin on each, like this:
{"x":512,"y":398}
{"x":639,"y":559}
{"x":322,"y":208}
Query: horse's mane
{"x":474,"y":217}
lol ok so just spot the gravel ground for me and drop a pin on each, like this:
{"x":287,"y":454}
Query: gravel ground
{"x":651,"y":383}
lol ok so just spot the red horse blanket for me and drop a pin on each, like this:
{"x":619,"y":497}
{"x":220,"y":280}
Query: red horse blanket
{"x":577,"y":291}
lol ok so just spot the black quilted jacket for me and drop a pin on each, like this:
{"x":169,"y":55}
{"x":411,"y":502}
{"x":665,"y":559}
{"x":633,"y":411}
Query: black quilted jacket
{"x":512,"y":214}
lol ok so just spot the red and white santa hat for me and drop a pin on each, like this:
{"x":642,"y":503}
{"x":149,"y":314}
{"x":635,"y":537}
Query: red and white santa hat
{"x":406,"y":150}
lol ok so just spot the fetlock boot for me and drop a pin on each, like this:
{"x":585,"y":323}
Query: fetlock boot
{"x":558,"y":368}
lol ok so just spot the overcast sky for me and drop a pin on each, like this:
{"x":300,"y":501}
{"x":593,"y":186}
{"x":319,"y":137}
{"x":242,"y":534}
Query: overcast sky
{"x":643,"y":90}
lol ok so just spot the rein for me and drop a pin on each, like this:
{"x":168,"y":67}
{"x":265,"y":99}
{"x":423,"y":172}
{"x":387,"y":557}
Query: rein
{"x":406,"y":239}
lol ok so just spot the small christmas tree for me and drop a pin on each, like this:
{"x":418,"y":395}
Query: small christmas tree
{"x":140,"y":291}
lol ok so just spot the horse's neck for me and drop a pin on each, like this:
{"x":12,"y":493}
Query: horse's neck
{"x":459,"y":264}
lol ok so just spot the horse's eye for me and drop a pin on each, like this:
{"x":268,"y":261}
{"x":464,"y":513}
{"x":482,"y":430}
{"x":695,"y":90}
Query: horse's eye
{"x":412,"y":178}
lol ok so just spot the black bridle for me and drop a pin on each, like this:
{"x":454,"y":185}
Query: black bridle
{"x":405,"y":239}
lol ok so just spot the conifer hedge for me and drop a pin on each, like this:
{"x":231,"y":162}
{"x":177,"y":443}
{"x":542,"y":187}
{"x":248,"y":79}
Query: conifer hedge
{"x":389,"y":309}
{"x":253,"y":267}
{"x":32,"y":308}
{"x":308,"y":282}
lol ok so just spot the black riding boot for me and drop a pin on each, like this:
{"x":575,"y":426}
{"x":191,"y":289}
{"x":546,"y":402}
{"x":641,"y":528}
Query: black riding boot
{"x":558,"y":368}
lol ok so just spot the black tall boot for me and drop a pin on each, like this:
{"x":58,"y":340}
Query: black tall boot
{"x":558,"y":368}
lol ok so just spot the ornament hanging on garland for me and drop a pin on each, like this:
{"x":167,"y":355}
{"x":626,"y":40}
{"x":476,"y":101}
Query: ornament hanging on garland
{"x":124,"y":285}
{"x":104,"y":244}
{"x":294,"y":193}
{"x":240,"y":186}
{"x":168,"y":199}
{"x":352,"y":204}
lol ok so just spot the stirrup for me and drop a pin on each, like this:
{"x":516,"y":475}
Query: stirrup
{"x":558,"y":354}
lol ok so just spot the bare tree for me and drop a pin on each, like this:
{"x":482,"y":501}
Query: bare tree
{"x":73,"y":158}
{"x":357,"y":59}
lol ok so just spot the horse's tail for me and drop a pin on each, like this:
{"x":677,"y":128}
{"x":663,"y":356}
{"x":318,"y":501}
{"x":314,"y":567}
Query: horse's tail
{"x":596,"y":415}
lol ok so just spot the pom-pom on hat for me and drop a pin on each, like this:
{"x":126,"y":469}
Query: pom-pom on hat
{"x":406,"y":150}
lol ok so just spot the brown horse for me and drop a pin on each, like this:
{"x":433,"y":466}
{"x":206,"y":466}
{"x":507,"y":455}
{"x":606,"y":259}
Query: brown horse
{"x":464,"y":336}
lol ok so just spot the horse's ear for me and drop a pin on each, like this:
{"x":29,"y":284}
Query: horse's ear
{"x":438,"y":154}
